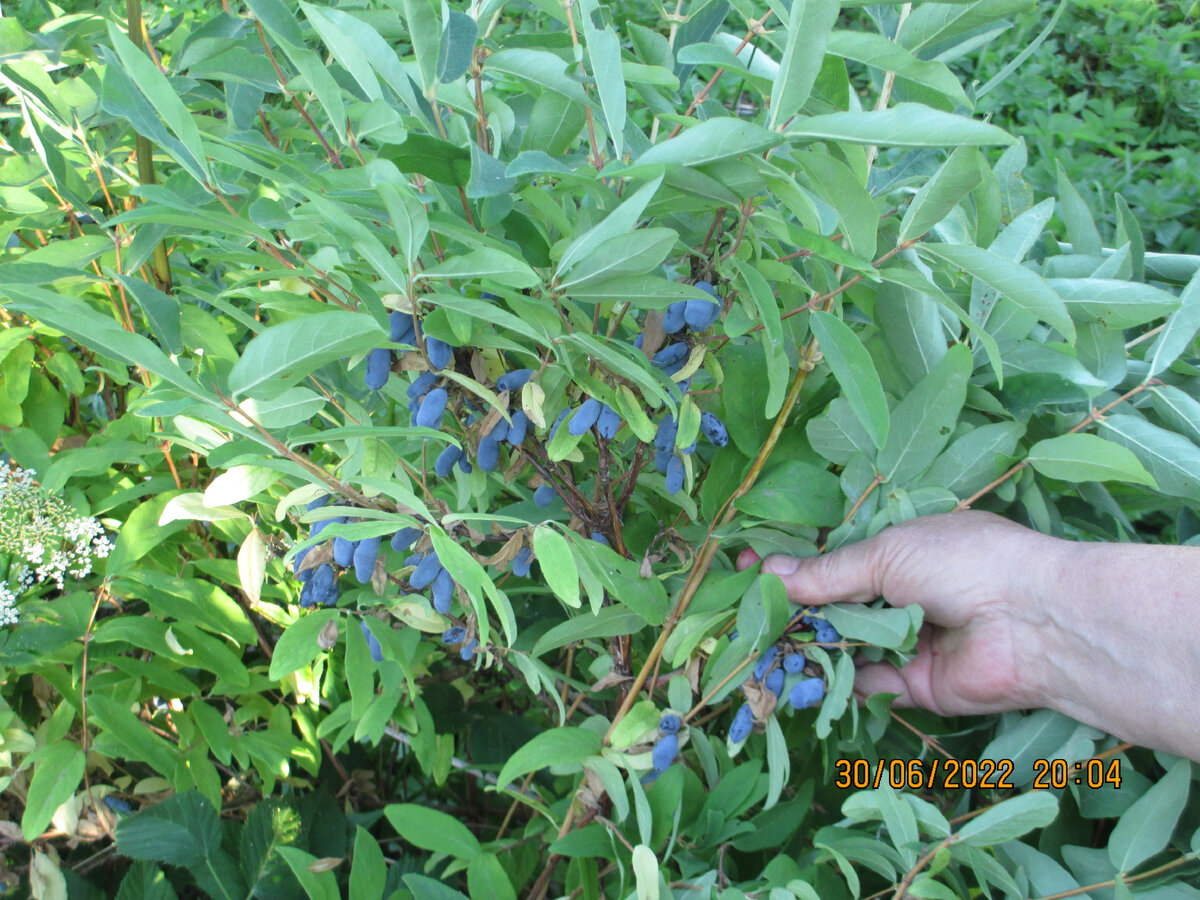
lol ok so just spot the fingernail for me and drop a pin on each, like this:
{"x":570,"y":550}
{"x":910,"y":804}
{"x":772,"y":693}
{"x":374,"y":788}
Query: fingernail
{"x":780,"y":565}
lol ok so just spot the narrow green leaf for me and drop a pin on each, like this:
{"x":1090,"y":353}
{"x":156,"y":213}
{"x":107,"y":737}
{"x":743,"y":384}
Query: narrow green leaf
{"x":57,"y":773}
{"x":922,"y":422}
{"x":903,"y":125}
{"x":431,"y":829}
{"x":298,"y":645}
{"x":1010,"y":819}
{"x":553,"y":553}
{"x":946,"y":188}
{"x":557,"y":747}
{"x":804,"y":51}
{"x":1145,"y":828}
{"x":423,"y":18}
{"x":1179,"y":330}
{"x":1086,"y":457}
{"x":854,"y":370}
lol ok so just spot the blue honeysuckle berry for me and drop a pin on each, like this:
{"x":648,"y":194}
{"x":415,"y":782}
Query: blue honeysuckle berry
{"x":661,"y":461}
{"x":599,"y":538}
{"x":714,"y":429}
{"x":444,"y":464}
{"x":670,"y":723}
{"x":116,"y":804}
{"x":679,"y":388}
{"x":518,"y":429}
{"x":455,"y":634}
{"x":432,"y":408}
{"x":585,"y":417}
{"x":464,"y":465}
{"x":443,"y":592}
{"x":427,"y":569}
{"x":690,"y":448}
{"x":707,"y":287}
{"x":675,"y":474}
{"x":806,"y":693}
{"x":562,"y":415}
{"x":671,"y":357}
{"x":317,"y":503}
{"x":401,"y":327}
{"x":372,"y":642}
{"x":793,"y":663}
{"x":306,"y":592}
{"x":701,"y":314}
{"x":421,"y":386}
{"x":439,"y":352}
{"x":365,"y":555}
{"x":405,"y":538}
{"x":673,"y":320}
{"x":499,"y":431}
{"x":522,"y":562}
{"x":544,"y":495}
{"x":379,"y":366}
{"x":467,"y":650}
{"x":774,"y":681}
{"x":743,"y":724}
{"x":826,"y":633}
{"x":664,"y":752}
{"x":324,"y":585}
{"x":664,"y":438}
{"x":320,"y":526}
{"x":639,"y":340}
{"x":608,"y":423}
{"x":650,"y":777}
{"x":514,"y":380}
{"x":488,"y":455}
{"x":764,"y":662}
{"x":343,"y":551}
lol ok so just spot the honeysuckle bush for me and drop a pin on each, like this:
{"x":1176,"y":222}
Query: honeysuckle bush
{"x":388,"y":615}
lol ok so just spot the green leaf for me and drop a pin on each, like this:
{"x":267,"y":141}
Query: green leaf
{"x":368,"y":875}
{"x":182,"y":830}
{"x":1145,"y":828}
{"x":458,"y":46}
{"x":946,"y":188}
{"x":423,"y":18}
{"x":621,"y":220}
{"x":1171,"y":459}
{"x":486,"y":262}
{"x":424,"y":888}
{"x":608,"y":622}
{"x":777,"y":367}
{"x":318,"y":885}
{"x":298,"y":644}
{"x":1117,"y":304}
{"x":884,"y":626}
{"x":646,"y":873}
{"x":855,"y":373}
{"x":903,"y":125}
{"x":635,"y":253}
{"x":604,"y":52}
{"x":431,"y":829}
{"x":145,"y":881}
{"x":776,"y":496}
{"x":1022,"y":286}
{"x":876,"y":50}
{"x":712,"y":140}
{"x":556,"y":747}
{"x":487,"y":878}
{"x":163,"y":313}
{"x":270,"y":825}
{"x":553,"y":553}
{"x":1086,"y":457}
{"x":924,"y":420}
{"x":537,"y":67}
{"x":1179,"y":330}
{"x":840,"y":187}
{"x":1010,"y":819}
{"x":281,"y":355}
{"x":58,"y":772}
{"x":808,"y":30}
{"x":1081,"y":228}
{"x":132,"y":735}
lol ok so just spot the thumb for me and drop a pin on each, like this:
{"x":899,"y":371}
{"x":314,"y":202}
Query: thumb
{"x":852,"y":574}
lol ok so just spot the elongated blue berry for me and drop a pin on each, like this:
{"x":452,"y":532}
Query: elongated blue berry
{"x":774,"y":681}
{"x":499,"y":431}
{"x":608,"y":423}
{"x":439,"y":352}
{"x":562,"y":415}
{"x":455,"y":634}
{"x":324,"y":585}
{"x":320,"y":526}
{"x":365,"y":555}
{"x":671,"y":355}
{"x":599,"y":538}
{"x":707,"y":287}
{"x":793,"y":663}
{"x":421,"y":386}
{"x":690,"y":448}
{"x":637,"y":341}
{"x":444,"y":464}
{"x":443,"y":592}
{"x":764,"y":662}
{"x":405,"y":538}
{"x":806,"y":693}
{"x":379,"y":366}
{"x":514,"y":380}
{"x":678,"y":388}
{"x":664,"y":438}
{"x":401,"y":327}
{"x":414,"y":560}
{"x":116,"y":804}
{"x":670,"y":723}
{"x":522,"y":562}
{"x":585,"y":417}
{"x":518,"y":428}
{"x":743,"y":723}
{"x":675,"y":474}
{"x":661,"y":460}
{"x":302,"y":574}
{"x":700,"y":314}
{"x":464,"y":464}
{"x":488,"y":456}
{"x":343,"y":551}
{"x":664,"y":752}
{"x":306,"y":592}
{"x":673,"y":320}
{"x":376,"y":651}
{"x":429,"y":415}
{"x":544,"y":495}
{"x":467,"y":650}
{"x":714,"y":429}
{"x":427,"y":569}
{"x":317,"y":503}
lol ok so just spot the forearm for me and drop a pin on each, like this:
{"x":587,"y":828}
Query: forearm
{"x":1123,"y":648}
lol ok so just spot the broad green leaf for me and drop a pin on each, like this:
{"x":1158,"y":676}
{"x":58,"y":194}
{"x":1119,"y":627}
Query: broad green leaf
{"x":923,"y":421}
{"x":1178,"y":410}
{"x":556,"y":747}
{"x":646,"y":872}
{"x":1117,"y":304}
{"x":425,"y":888}
{"x":298,"y":645}
{"x":1145,"y":828}
{"x":803,"y":52}
{"x":145,"y":881}
{"x":876,"y":50}
{"x":778,"y":368}
{"x":423,"y":18}
{"x":1010,"y":819}
{"x":719,"y":138}
{"x":884,"y":626}
{"x":553,"y":553}
{"x":1086,"y":457}
{"x":368,"y":875}
{"x":181,"y":830}
{"x":635,"y":253}
{"x":938,"y":196}
{"x":1022,"y":286}
{"x":458,"y":46}
{"x":131,"y":734}
{"x":903,"y":125}
{"x":1179,"y":330}
{"x":162,"y":312}
{"x":485,"y":262}
{"x":974,"y":459}
{"x":776,"y":497}
{"x":281,"y":355}
{"x":1081,"y":228}
{"x":58,"y":772}
{"x":621,"y":220}
{"x":320,"y":884}
{"x":1171,"y":459}
{"x":839,"y":186}
{"x":487,"y":878}
{"x":537,"y":67}
{"x":431,"y":829}
{"x":343,"y":49}
{"x":855,"y":373}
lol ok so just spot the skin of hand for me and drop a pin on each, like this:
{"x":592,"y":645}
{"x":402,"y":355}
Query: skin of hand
{"x":1108,"y":634}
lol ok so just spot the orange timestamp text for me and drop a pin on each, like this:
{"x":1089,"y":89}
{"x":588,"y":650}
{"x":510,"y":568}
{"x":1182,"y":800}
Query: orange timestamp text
{"x":970,"y":774}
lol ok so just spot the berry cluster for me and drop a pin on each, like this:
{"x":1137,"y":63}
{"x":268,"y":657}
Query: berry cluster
{"x":666,"y":747}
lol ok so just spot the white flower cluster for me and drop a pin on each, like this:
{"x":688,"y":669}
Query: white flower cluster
{"x":53,"y":540}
